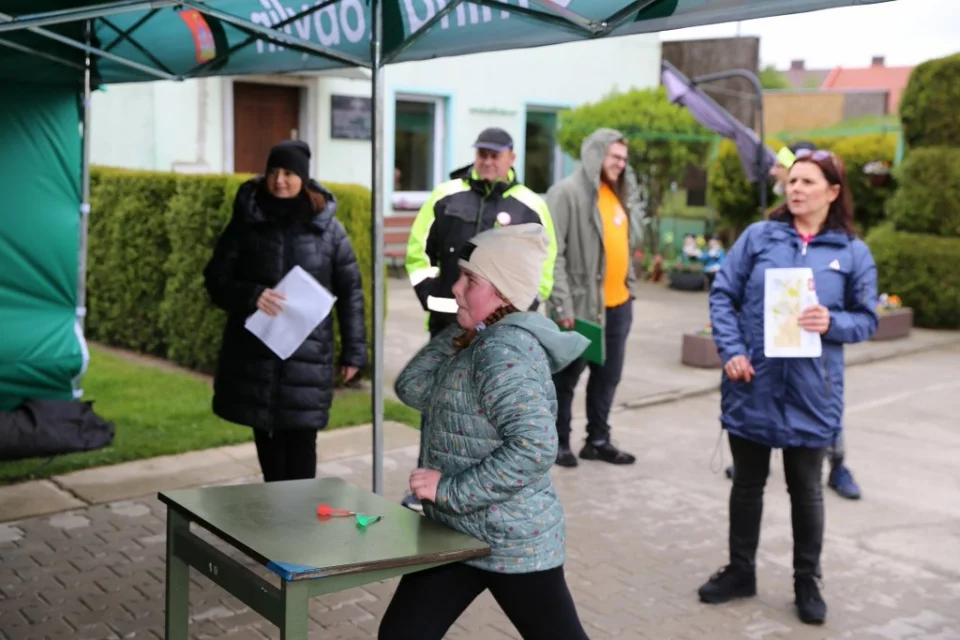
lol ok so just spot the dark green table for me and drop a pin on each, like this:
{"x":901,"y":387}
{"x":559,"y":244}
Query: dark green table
{"x":276,"y":525}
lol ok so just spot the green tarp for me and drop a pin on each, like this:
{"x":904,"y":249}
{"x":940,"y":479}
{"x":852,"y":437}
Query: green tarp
{"x":41,"y":348}
{"x":177,"y":42}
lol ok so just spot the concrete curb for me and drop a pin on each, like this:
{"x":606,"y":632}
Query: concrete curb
{"x":854,"y":360}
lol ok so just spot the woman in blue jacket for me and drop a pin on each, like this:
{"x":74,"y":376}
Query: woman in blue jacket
{"x":793,"y":404}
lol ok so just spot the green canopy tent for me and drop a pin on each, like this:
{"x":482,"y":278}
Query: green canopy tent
{"x":54,"y":52}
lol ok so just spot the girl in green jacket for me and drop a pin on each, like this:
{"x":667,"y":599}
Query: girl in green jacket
{"x":488,"y":442}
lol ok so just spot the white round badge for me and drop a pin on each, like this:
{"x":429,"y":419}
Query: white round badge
{"x":503,"y":218}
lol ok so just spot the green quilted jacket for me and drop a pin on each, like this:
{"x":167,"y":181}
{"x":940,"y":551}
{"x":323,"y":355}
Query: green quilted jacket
{"x":490,"y":429}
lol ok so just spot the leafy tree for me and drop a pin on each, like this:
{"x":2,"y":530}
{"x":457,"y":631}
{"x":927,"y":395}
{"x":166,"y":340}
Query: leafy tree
{"x":663,"y":139}
{"x":770,"y":78}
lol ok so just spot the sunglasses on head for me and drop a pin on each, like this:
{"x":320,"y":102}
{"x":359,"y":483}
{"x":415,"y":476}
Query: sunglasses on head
{"x":817,"y":156}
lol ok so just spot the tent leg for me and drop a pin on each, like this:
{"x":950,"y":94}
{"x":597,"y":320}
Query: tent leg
{"x":84,"y":187}
{"x":377,"y":243}
{"x":84,"y":218}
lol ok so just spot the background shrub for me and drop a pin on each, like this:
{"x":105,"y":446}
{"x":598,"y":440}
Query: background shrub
{"x":927,"y":199}
{"x":128,"y":246}
{"x":922,"y":270}
{"x":195,"y":218}
{"x":928,"y":106}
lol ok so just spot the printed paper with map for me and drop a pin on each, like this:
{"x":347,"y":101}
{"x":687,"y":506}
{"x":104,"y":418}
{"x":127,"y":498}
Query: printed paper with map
{"x":787,"y":292}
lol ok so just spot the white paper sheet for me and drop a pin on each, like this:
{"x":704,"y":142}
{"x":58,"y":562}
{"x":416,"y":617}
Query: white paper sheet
{"x":307,"y":304}
{"x":787,"y":292}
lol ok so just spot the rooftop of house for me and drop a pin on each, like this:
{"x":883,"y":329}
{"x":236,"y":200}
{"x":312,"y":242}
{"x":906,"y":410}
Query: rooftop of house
{"x":876,"y":76}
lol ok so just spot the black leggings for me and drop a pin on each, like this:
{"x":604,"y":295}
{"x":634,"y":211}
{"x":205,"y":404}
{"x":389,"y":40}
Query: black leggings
{"x":287,"y":455}
{"x":803,"y":470}
{"x":427,"y":603}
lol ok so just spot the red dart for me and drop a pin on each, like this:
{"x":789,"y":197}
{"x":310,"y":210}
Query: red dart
{"x":327,"y":510}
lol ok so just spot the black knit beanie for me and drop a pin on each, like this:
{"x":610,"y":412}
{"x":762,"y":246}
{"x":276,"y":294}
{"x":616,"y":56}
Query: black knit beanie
{"x":292,"y":155}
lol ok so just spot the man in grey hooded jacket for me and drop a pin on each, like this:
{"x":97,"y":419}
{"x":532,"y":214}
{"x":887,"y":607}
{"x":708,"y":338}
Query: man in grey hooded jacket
{"x":597,"y":225}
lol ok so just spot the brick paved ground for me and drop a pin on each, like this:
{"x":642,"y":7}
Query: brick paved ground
{"x":640,"y":539}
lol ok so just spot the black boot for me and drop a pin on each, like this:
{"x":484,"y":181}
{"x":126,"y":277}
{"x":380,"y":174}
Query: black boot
{"x":727,"y":584}
{"x":811,"y":609}
{"x":565,"y":457}
{"x":606,"y":452}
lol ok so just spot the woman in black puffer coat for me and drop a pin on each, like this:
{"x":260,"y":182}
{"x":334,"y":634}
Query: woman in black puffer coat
{"x":282,"y":220}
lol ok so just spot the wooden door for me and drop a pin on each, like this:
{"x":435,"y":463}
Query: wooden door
{"x":263,"y":115}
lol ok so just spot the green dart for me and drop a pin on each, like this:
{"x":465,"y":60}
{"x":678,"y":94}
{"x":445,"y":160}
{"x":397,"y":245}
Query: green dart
{"x":363,"y":520}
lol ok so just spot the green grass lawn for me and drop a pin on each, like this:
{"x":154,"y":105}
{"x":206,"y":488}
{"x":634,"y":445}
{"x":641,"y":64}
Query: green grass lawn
{"x":159,"y":412}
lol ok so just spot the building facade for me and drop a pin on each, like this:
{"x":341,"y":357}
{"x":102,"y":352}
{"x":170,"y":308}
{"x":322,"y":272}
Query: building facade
{"x":433,"y":110}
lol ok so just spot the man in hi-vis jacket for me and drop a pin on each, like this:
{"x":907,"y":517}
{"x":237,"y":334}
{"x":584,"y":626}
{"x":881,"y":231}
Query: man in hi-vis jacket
{"x":478,"y":197}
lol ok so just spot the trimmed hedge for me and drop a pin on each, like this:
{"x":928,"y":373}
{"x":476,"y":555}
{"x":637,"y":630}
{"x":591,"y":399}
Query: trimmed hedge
{"x":195,"y":217}
{"x":922,"y":270}
{"x":353,"y":212}
{"x":128,"y":246}
{"x":151,"y":235}
{"x":928,"y":105}
{"x":928,"y":198}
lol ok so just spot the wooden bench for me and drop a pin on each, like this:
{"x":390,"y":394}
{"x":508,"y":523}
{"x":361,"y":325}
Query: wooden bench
{"x":396,"y":233}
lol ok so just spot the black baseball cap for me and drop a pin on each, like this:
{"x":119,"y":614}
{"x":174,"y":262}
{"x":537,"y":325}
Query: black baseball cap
{"x":494,"y":139}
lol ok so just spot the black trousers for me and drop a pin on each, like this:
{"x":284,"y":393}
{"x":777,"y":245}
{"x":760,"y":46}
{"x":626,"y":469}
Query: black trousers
{"x":803,"y":469}
{"x":427,"y":603}
{"x":602,"y":385}
{"x":289,"y":454}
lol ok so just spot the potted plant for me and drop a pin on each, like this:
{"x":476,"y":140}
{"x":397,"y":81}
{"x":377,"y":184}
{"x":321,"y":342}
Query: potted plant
{"x":699,"y":349}
{"x":879,"y":172}
{"x":896,"y":320}
{"x":687,"y":276}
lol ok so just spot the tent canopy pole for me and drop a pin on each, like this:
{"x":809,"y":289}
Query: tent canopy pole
{"x":627,"y":13}
{"x":377,"y":280}
{"x":123,"y":36}
{"x":84,"y":183}
{"x":88,"y":49}
{"x":569,"y":21}
{"x":422,"y":31}
{"x":40,"y":54}
{"x":273,"y":35}
{"x":128,"y":33}
{"x":73,"y":15}
{"x":253,"y":38}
